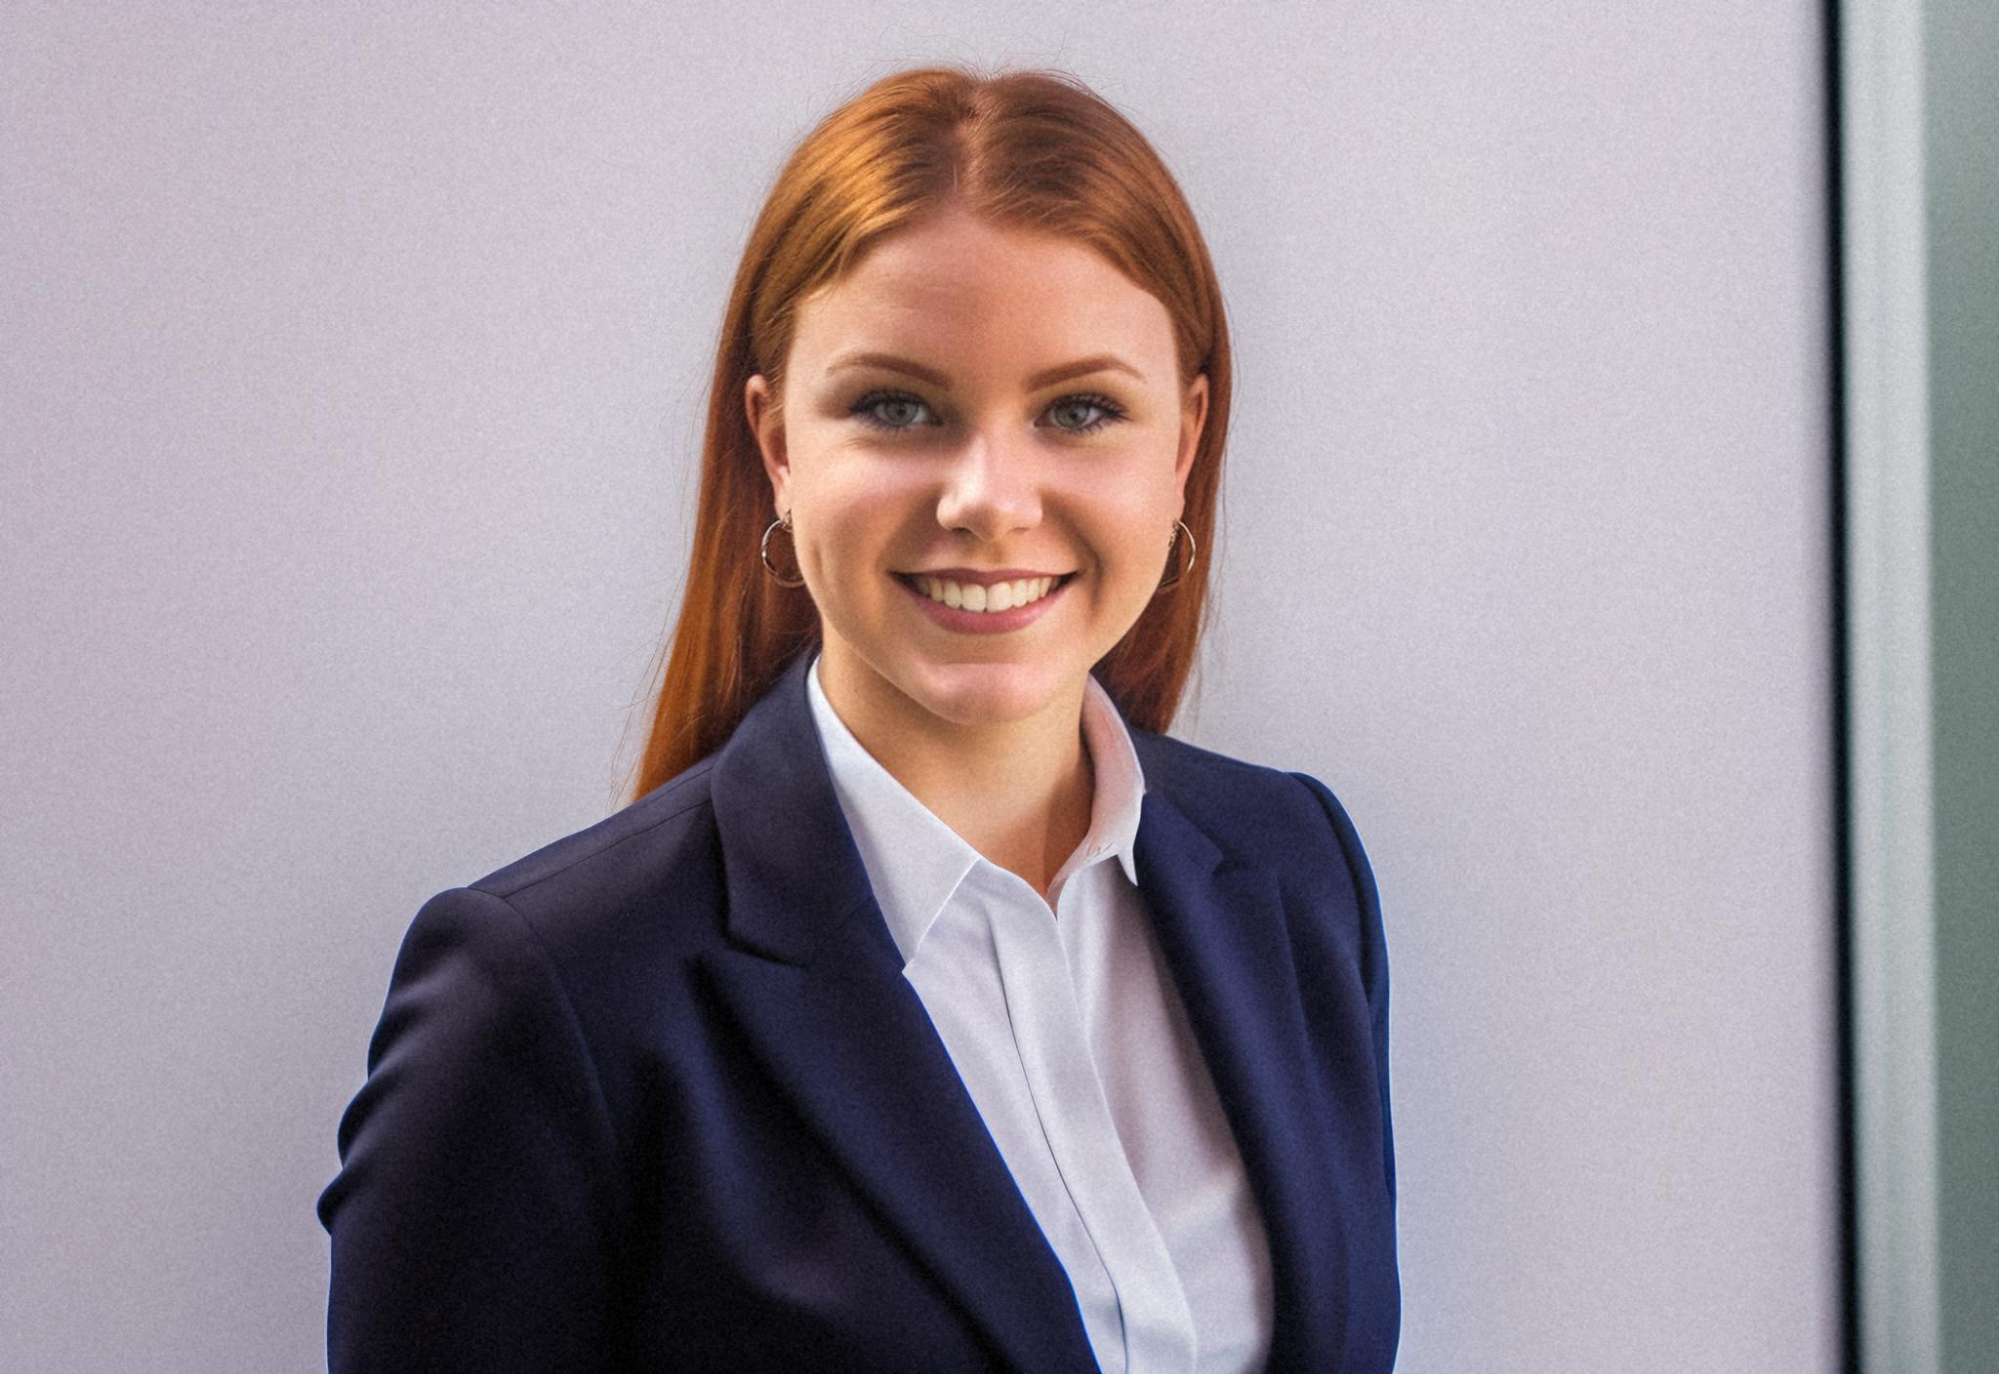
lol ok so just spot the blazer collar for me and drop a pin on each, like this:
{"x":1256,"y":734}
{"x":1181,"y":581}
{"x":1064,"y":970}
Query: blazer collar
{"x":818,"y":990}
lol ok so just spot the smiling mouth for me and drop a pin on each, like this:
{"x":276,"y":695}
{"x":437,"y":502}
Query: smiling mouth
{"x":912,"y":578}
{"x":914,"y":582}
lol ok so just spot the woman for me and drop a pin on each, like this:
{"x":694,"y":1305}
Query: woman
{"x":927,"y":1009}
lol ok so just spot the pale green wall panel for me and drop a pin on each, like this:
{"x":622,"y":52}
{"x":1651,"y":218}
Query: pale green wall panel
{"x":1961,"y":118}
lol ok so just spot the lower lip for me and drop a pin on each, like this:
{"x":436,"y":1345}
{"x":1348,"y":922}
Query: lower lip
{"x":985,"y":622}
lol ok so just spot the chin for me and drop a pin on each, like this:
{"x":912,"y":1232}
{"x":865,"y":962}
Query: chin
{"x":984,"y":694}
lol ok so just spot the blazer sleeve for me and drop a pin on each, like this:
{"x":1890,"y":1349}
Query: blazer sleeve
{"x":1373,"y":947}
{"x":471,"y":1220}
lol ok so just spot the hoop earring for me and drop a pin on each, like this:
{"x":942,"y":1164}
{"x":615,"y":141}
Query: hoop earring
{"x":763,"y":552}
{"x":1193,"y":553}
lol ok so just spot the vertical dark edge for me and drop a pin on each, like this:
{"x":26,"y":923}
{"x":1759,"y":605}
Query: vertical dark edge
{"x":1849,"y":1233}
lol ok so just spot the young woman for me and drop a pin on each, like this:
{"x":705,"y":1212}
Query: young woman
{"x":929,"y":1008}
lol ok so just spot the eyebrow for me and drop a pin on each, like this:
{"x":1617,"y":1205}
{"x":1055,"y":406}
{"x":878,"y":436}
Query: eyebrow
{"x":1097,"y":362}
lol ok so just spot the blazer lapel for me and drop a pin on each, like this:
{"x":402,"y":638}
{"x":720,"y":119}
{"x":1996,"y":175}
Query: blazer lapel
{"x":817,"y":990}
{"x":816,"y":987}
{"x":1221,"y":926}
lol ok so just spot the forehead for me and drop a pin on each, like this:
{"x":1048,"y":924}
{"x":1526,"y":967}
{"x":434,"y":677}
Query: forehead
{"x":957,"y":286}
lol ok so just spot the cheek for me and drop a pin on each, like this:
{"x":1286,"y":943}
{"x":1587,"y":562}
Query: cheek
{"x":1128,"y":515}
{"x":1141,"y":561}
{"x":854,"y":510}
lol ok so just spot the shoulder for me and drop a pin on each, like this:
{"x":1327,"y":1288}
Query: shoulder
{"x":674,"y":809}
{"x":577,"y":948}
{"x":1257,"y":813}
{"x":590,"y":934}
{"x":647,"y":870}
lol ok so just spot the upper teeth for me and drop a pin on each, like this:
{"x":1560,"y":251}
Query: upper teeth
{"x":970,"y":596}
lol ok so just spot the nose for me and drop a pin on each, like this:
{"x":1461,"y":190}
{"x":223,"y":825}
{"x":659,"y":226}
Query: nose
{"x":993,"y":487}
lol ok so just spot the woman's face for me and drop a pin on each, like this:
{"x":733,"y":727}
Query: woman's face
{"x":973,"y":405}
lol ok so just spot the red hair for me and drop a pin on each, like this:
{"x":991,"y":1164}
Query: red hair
{"x":1029,"y":149}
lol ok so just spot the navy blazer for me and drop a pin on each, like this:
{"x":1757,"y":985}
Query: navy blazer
{"x":657,"y":1096}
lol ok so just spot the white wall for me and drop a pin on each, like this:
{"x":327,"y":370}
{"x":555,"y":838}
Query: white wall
{"x":351,"y":367}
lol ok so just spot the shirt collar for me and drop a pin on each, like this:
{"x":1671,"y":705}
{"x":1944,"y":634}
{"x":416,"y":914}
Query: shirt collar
{"x":915,"y":862}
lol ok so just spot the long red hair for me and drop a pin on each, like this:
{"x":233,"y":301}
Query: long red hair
{"x":1029,"y":149}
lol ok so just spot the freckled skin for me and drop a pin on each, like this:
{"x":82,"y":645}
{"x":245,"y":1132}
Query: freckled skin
{"x":984,"y":473}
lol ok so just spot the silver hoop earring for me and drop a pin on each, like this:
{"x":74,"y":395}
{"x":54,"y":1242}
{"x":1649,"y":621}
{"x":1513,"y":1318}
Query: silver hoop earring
{"x":763,"y":552}
{"x":1193,"y":552}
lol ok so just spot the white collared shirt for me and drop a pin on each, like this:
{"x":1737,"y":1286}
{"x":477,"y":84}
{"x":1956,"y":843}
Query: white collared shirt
{"x":1071,"y":1038}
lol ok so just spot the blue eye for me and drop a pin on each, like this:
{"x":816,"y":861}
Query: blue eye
{"x":895,"y":411}
{"x":1109,"y":408}
{"x":871,"y":408}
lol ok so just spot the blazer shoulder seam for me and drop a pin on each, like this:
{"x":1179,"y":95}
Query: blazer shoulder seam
{"x":1185,"y":754}
{"x":509,"y":892}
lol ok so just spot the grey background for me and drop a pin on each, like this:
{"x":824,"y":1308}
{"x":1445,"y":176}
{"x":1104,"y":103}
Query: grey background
{"x":351,"y":368}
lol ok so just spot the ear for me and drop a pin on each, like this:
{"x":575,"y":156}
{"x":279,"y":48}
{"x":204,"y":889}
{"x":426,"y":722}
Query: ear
{"x":1193,"y":420}
{"x":767,"y":424}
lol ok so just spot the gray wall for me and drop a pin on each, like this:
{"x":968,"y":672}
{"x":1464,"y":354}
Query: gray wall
{"x":351,"y":365}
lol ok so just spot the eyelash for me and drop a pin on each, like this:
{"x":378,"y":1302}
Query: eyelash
{"x":864,"y":409}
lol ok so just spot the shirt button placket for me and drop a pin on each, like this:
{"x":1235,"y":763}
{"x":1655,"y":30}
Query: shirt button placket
{"x":1069,"y":1099}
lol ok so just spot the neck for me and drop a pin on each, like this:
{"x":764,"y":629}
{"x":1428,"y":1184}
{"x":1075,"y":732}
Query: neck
{"x":1019,"y":792}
